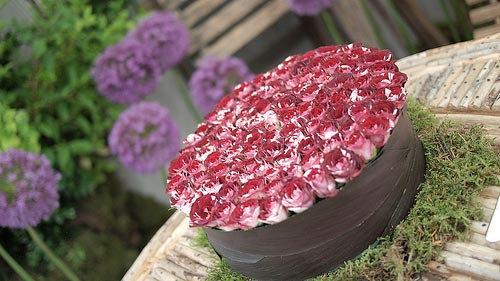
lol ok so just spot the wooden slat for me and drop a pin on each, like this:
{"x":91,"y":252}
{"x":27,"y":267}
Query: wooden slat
{"x":471,"y":266}
{"x":485,"y":13}
{"x":251,"y":27}
{"x":487,"y":85}
{"x":221,"y":22}
{"x":474,"y":2}
{"x":198,"y":10}
{"x":478,"y":252}
{"x":486,"y":31}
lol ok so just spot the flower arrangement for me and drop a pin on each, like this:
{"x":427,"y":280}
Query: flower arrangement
{"x":214,"y":78}
{"x":292,"y":136}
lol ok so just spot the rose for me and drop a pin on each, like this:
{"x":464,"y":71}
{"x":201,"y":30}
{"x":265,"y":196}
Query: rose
{"x":182,"y":196}
{"x":246,"y":214}
{"x":253,"y":189}
{"x":321,"y":182}
{"x":222,"y":215}
{"x":376,"y":128}
{"x":343,"y":164}
{"x":360,"y":145}
{"x":297,"y":195}
{"x":202,"y":211}
{"x":271,"y":210}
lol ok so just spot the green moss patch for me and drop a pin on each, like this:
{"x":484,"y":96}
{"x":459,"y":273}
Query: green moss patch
{"x":460,"y":162}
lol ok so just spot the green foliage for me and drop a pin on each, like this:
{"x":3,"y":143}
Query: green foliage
{"x":460,"y":162}
{"x":16,"y":132}
{"x":45,"y":80}
{"x":48,"y":74}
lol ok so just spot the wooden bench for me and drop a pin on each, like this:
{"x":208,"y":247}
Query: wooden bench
{"x":460,"y":82}
{"x":220,"y":27}
{"x":484,"y":16}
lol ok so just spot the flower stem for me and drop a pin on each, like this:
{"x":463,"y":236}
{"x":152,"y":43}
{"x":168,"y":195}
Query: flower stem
{"x":337,"y":39}
{"x":181,"y":85}
{"x":52,"y":257}
{"x":400,"y":24}
{"x":14,"y":265}
{"x":373,"y":24}
{"x":462,"y":18}
{"x":451,"y":24}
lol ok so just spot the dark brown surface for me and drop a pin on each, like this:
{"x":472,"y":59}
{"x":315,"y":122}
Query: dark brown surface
{"x":335,"y":229}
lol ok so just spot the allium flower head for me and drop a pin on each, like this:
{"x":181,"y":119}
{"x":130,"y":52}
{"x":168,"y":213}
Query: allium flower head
{"x":308,"y":7}
{"x":126,"y":72}
{"x":167,"y":37}
{"x":215,"y":78}
{"x":289,"y":137}
{"x":145,"y":137}
{"x":28,"y":189}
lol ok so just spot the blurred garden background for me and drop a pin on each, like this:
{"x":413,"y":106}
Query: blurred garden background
{"x":106,"y":90}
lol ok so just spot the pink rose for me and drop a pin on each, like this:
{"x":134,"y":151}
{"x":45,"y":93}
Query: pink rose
{"x":343,"y":164}
{"x":312,"y":159}
{"x":358,"y":110}
{"x":202,"y":211}
{"x":253,"y":189}
{"x":246,"y":214}
{"x":182,"y":196}
{"x":375,"y":128}
{"x":222,"y":215}
{"x":321,"y":182}
{"x":271,"y":210}
{"x":297,"y":195}
{"x":360,"y":145}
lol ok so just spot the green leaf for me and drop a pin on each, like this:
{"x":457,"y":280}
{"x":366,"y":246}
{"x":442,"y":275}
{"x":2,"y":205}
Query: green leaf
{"x":82,"y":146}
{"x":64,"y":160}
{"x":39,"y":47}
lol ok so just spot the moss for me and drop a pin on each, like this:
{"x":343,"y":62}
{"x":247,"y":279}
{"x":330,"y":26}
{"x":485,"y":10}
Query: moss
{"x":460,"y":162}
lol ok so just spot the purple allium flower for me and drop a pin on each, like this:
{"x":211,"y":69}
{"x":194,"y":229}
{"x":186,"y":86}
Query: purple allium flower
{"x":308,"y":7}
{"x":165,"y":35}
{"x":145,"y":137}
{"x":215,"y":78}
{"x":28,"y":189}
{"x":126,"y":72}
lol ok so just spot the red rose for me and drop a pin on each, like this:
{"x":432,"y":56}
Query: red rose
{"x":321,"y":182}
{"x":202,"y":211}
{"x":376,"y":128}
{"x":246,"y":214}
{"x":222,"y":216}
{"x":360,"y":145}
{"x":253,"y":189}
{"x":297,"y":195}
{"x":271,"y":210}
{"x":343,"y":164}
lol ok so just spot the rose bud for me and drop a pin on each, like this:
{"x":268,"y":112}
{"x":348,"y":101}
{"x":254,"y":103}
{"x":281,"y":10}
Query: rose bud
{"x":182,"y":197}
{"x":246,"y":214}
{"x":202,"y":211}
{"x":343,"y":164}
{"x":321,"y":182}
{"x":375,"y":128}
{"x":253,"y":189}
{"x":271,"y":210}
{"x":222,"y":213}
{"x":297,"y":195}
{"x":227,"y":192}
{"x":360,"y":145}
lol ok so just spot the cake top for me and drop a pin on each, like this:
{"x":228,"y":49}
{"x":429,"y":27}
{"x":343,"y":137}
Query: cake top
{"x":287,"y":138}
